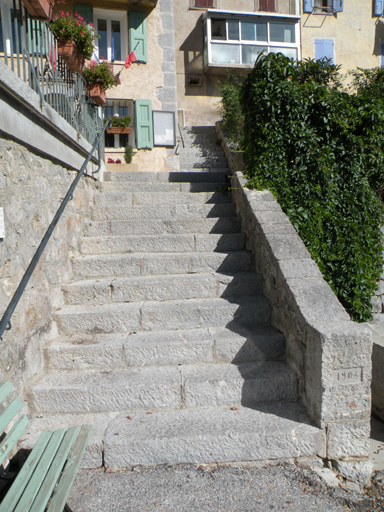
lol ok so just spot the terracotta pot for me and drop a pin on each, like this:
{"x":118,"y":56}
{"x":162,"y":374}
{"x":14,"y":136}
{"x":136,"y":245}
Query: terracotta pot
{"x":41,"y":9}
{"x":70,"y":54}
{"x":97,"y":93}
{"x":119,"y":129}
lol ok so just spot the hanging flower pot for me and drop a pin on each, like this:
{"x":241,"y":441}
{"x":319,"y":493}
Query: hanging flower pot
{"x":41,"y":9}
{"x":119,"y":129}
{"x":120,"y":124}
{"x":70,"y":54}
{"x":97,"y":93}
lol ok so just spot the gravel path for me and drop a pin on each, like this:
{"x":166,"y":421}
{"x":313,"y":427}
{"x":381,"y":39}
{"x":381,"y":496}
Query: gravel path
{"x":188,"y":488}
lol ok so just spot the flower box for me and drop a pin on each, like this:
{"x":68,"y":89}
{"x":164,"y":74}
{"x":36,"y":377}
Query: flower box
{"x":97,"y":93}
{"x":119,"y":129}
{"x":41,"y":9}
{"x":70,"y":54}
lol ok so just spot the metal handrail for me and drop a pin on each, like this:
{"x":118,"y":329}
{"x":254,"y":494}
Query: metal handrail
{"x":5,"y":323}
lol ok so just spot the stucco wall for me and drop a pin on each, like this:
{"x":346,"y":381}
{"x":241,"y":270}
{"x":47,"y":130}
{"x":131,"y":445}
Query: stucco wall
{"x":357,"y":35}
{"x":200,"y":104}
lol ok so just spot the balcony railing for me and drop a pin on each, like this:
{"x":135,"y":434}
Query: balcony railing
{"x":29,"y":48}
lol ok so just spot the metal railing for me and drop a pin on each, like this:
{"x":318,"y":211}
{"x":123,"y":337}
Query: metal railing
{"x":5,"y":323}
{"x":29,"y":48}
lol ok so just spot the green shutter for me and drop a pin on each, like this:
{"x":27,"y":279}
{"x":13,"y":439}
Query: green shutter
{"x":138,"y":35}
{"x":144,"y":124}
{"x":85,"y":12}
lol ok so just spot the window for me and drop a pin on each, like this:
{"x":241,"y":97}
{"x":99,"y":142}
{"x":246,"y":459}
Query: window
{"x":323,"y":6}
{"x":112,"y":27}
{"x":122,"y":108}
{"x":202,"y":4}
{"x":379,"y":6}
{"x":13,"y":37}
{"x":267,"y":5}
{"x":324,"y":48}
{"x":240,"y":41}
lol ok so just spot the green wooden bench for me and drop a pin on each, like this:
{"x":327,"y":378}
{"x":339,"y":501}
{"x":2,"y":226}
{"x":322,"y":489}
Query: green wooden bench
{"x":46,"y":477}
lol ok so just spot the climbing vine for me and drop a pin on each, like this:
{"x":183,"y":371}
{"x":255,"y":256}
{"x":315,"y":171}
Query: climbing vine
{"x":320,"y":150}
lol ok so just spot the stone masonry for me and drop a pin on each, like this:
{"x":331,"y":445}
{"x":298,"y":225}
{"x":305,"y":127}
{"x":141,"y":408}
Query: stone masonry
{"x":330,"y":353}
{"x":165,"y":342}
{"x":31,"y":188}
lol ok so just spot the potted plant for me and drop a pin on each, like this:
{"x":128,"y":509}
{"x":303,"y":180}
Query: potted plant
{"x":75,"y":39}
{"x":99,"y":77}
{"x":119,"y":124}
{"x":41,"y":9}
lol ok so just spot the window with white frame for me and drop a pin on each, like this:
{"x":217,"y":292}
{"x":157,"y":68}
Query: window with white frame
{"x":120,"y":108}
{"x":323,"y":6}
{"x":239,"y":41}
{"x":112,"y":27}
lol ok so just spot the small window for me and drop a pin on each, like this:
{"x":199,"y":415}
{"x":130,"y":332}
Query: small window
{"x":282,"y":32}
{"x":322,"y":6}
{"x":194,"y":80}
{"x":267,"y":5}
{"x":219,"y":31}
{"x":112,"y":28}
{"x":253,"y":31}
{"x":202,"y":4}
{"x":118,"y":108}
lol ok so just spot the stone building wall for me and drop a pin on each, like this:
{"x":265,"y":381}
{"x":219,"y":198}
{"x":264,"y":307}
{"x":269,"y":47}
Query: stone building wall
{"x":31,"y":188}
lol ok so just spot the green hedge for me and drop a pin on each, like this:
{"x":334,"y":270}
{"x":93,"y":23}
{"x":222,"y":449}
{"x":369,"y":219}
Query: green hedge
{"x":320,"y":151}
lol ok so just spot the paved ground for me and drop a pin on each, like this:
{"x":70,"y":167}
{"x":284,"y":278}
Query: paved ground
{"x":241,"y":488}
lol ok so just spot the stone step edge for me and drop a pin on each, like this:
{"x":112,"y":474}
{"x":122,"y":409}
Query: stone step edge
{"x":164,"y":348}
{"x":104,"y":423}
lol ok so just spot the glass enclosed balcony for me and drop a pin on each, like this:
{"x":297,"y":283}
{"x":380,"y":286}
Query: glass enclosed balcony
{"x":234,"y":39}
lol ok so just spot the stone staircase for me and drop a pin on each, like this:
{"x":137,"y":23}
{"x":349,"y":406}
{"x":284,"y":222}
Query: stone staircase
{"x":165,"y":341}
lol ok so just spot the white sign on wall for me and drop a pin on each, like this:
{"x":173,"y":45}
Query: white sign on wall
{"x":2,"y":228}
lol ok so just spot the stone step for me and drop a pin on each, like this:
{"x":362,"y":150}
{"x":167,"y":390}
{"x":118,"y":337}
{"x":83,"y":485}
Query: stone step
{"x":196,"y":167}
{"x":137,"y":177}
{"x":163,"y":387}
{"x":202,"y":161}
{"x":161,"y":263}
{"x":194,"y":176}
{"x":210,"y":435}
{"x":147,"y":186}
{"x":163,"y":243}
{"x":205,"y":151}
{"x":169,"y":287}
{"x":201,"y":435}
{"x":160,"y":226}
{"x":184,"y":346}
{"x":162,"y":177}
{"x":160,"y":198}
{"x":171,"y":314}
{"x":180,"y":211}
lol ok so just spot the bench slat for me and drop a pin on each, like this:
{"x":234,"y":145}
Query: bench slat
{"x":64,"y":485}
{"x":21,"y":481}
{"x":5,"y":389}
{"x":41,"y":470}
{"x":46,"y":489}
{"x":12,"y":437}
{"x":9,"y":413}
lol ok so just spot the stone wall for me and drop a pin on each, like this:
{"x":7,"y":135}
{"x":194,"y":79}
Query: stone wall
{"x":31,"y":188}
{"x":330,"y":353}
